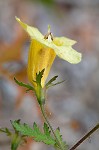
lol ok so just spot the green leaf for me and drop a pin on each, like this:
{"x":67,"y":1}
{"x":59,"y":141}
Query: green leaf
{"x":35,"y":132}
{"x":6,"y":130}
{"x":15,"y":136}
{"x":46,"y":130}
{"x":62,"y":143}
{"x":29,"y":87}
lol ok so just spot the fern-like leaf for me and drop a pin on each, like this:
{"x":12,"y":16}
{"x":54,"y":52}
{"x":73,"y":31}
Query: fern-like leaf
{"x":62,"y":143}
{"x":37,"y":135}
{"x":6,"y":130}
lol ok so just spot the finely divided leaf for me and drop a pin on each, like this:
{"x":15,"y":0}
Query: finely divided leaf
{"x":62,"y":143}
{"x":6,"y":130}
{"x":35,"y":132}
{"x":46,"y":130}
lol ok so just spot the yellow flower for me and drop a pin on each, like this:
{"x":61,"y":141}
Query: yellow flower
{"x":43,"y":50}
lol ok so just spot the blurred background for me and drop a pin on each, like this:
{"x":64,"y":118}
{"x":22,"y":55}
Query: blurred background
{"x":73,"y":105}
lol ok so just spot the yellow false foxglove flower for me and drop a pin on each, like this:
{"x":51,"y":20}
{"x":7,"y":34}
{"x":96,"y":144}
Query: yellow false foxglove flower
{"x":43,"y":50}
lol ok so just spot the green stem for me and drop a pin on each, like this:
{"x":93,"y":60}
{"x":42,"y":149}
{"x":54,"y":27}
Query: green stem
{"x":85,"y":137}
{"x":15,"y":142}
{"x":45,"y":117}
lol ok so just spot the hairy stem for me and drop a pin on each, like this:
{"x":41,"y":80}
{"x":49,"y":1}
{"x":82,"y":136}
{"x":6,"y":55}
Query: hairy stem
{"x":45,"y":117}
{"x":85,"y":137}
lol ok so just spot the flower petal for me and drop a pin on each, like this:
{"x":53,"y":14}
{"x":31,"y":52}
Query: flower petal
{"x":63,"y":48}
{"x":33,"y":32}
{"x":39,"y":58}
{"x":68,"y":54}
{"x":61,"y":45}
{"x":60,"y":41}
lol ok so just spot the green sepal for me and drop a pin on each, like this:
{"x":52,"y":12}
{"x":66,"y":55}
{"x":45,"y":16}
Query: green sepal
{"x":50,"y":82}
{"x":35,"y":132}
{"x":39,"y":91}
{"x":56,"y":83}
{"x":39,"y":77}
{"x":62,"y":143}
{"x":29,"y":87}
